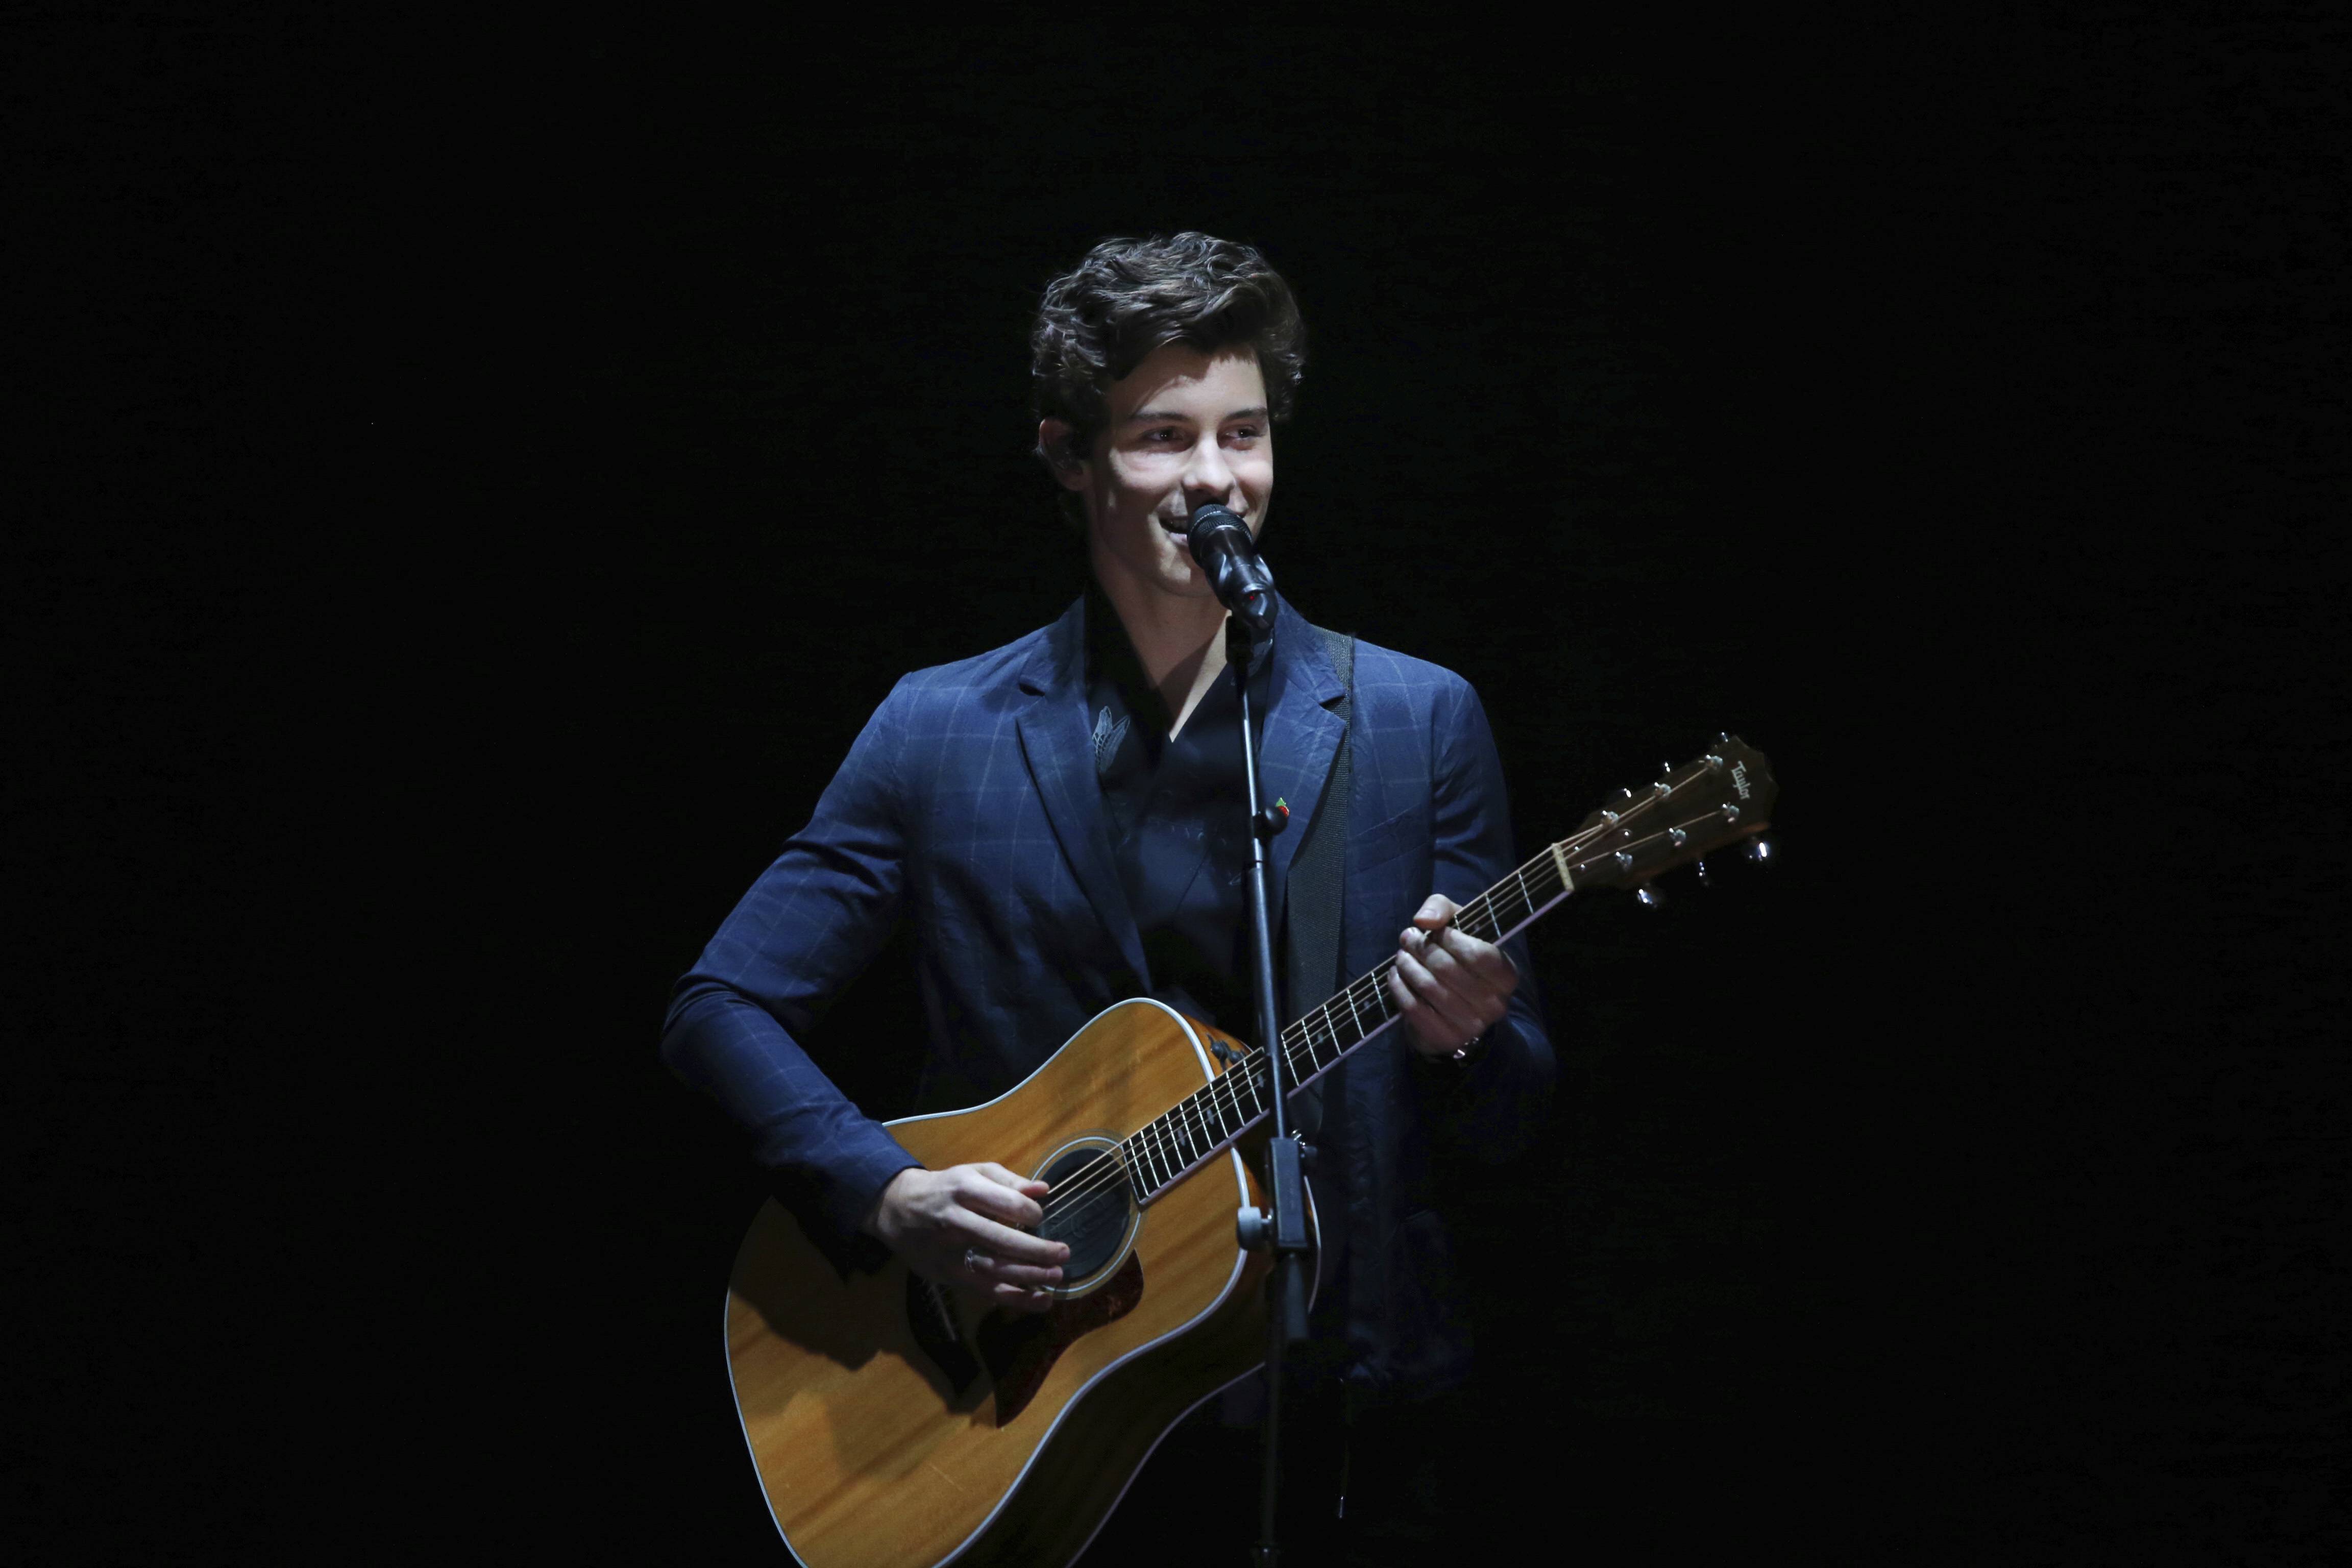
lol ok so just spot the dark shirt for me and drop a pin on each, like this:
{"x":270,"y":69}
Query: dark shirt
{"x":1178,"y":817}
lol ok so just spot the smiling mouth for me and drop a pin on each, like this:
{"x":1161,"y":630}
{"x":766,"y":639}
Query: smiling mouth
{"x":1181,"y":529}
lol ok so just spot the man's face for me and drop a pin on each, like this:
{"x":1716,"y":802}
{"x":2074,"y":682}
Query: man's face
{"x":1185,"y":429}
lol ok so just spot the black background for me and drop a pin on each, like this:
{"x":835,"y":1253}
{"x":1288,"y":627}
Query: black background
{"x":481,"y":483}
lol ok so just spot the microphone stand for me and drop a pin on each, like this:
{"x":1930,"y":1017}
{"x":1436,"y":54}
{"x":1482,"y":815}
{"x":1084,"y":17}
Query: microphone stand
{"x":1285,"y":1229}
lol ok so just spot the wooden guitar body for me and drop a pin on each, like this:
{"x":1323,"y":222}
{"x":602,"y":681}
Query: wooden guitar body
{"x":889,"y":1426}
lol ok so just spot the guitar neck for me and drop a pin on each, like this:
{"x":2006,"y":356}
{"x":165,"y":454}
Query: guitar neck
{"x":1721,"y":797}
{"x":1160,"y":1153}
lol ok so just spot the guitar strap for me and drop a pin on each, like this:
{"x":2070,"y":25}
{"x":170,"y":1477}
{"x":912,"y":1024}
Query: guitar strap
{"x":1318,"y":881}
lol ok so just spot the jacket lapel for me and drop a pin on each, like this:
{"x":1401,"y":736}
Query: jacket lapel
{"x":1301,"y":736}
{"x":1059,"y":750}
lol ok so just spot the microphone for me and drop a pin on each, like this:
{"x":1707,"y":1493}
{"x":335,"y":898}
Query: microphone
{"x":1222,"y":545}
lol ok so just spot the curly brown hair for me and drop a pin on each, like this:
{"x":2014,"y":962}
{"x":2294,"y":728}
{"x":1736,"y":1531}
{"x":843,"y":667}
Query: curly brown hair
{"x":1101,"y":319}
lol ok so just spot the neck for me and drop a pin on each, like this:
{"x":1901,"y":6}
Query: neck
{"x":1180,"y":641}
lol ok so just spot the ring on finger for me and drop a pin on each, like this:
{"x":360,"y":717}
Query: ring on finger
{"x":973,"y":1257}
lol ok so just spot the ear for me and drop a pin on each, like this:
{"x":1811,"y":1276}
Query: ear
{"x":1057,"y":438}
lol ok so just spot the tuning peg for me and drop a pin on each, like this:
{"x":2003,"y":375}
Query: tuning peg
{"x":1651,"y":899}
{"x":1763,"y":850}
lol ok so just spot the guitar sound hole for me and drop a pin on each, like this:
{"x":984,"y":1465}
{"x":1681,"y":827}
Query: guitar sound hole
{"x":1086,"y":1210}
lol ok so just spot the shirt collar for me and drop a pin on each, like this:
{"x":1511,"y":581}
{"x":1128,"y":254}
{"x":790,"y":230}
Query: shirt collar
{"x":1110,"y":654}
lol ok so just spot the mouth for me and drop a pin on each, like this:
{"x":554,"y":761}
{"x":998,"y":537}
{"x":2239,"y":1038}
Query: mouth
{"x":1180,"y":529}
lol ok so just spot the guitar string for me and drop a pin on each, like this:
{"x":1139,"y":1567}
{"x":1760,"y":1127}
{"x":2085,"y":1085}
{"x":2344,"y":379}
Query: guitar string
{"x":1189,"y":1119}
{"x":1192,"y":1116}
{"x":1215,"y":1113}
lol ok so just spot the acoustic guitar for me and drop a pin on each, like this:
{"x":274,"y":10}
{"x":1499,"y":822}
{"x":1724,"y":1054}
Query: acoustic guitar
{"x":894,"y":1420}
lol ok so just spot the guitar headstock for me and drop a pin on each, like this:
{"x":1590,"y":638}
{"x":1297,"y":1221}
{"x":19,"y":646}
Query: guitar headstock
{"x":1720,"y":798}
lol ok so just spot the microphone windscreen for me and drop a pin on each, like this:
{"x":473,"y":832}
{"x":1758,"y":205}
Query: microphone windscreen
{"x":1206,"y":522}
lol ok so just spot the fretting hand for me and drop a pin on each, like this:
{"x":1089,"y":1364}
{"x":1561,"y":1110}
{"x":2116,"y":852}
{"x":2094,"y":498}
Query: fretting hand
{"x":1450,"y":987}
{"x":961,"y":1225}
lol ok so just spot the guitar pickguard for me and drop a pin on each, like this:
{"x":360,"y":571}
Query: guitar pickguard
{"x":1016,"y":1349}
{"x":939,"y":1331}
{"x":1020,"y":1351}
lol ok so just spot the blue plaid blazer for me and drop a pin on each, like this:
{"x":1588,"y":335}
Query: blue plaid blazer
{"x":969,"y":807}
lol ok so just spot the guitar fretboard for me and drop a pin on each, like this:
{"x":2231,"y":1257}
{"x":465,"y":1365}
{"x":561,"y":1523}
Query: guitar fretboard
{"x":1158,"y":1154}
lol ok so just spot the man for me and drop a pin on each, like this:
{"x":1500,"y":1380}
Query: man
{"x":1062,"y":821}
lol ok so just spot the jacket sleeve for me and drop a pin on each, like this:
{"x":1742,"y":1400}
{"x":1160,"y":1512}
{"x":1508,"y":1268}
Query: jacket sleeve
{"x":1493,"y":1107}
{"x":811,"y":921}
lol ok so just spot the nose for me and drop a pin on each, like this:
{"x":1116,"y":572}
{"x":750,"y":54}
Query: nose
{"x":1208,"y":478}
